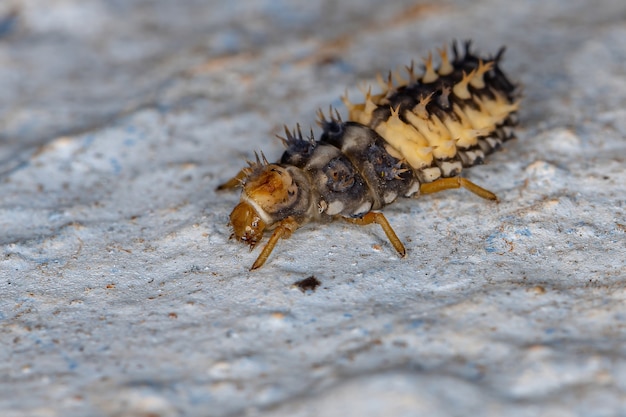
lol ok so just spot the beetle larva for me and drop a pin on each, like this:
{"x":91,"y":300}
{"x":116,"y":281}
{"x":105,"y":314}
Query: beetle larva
{"x":413,"y":138}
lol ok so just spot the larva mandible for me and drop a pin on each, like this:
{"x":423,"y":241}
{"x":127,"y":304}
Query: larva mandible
{"x":413,"y":138}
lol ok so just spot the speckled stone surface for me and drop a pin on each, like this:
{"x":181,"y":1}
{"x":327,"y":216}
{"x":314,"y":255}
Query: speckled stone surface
{"x":122,"y":295}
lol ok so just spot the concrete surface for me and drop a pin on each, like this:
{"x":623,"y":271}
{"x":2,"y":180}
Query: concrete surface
{"x":122,"y":295}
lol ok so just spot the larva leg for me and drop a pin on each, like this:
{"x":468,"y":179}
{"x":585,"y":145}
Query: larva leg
{"x":456,"y":182}
{"x":284,"y":230}
{"x":379,"y":218}
{"x":234,"y":182}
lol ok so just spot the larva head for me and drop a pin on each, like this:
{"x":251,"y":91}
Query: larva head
{"x":247,"y":225}
{"x":268,"y":194}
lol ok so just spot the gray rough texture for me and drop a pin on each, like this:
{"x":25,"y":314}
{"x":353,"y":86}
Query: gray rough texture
{"x":122,"y":295}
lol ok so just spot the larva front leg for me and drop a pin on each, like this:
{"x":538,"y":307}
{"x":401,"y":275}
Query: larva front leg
{"x":234,"y":182}
{"x":379,"y":218}
{"x":284,"y":230}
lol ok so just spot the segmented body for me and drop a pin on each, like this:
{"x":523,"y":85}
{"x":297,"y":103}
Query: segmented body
{"x":412,"y":138}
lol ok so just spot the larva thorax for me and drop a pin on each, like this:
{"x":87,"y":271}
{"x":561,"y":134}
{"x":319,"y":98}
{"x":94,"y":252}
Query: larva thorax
{"x":412,"y":138}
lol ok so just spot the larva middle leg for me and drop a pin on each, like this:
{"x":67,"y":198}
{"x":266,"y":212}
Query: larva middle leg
{"x":379,"y":218}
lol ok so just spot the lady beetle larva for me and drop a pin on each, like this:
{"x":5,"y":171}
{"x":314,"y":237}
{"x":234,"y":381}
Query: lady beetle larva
{"x":412,"y":138}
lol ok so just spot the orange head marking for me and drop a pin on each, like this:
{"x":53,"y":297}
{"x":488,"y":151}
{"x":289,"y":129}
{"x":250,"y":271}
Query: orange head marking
{"x":272,"y":188}
{"x":247,"y":224}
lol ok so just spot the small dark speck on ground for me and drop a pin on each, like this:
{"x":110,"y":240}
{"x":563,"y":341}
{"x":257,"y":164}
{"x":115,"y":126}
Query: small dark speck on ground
{"x":307,"y":284}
